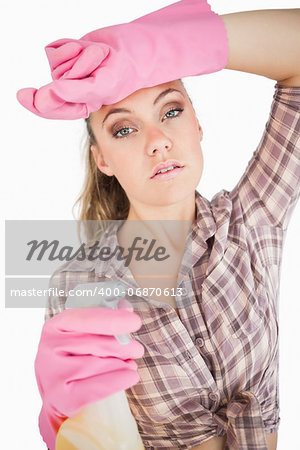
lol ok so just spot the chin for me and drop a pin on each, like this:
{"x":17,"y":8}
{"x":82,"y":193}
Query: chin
{"x":173,"y":195}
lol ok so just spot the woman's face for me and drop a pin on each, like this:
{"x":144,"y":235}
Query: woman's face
{"x":149,"y":127}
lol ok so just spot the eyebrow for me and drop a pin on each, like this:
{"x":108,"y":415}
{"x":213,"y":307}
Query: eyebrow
{"x":124,"y":110}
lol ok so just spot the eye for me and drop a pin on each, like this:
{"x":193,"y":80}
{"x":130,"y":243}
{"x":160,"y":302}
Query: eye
{"x":124,"y":131}
{"x":173,"y":110}
{"x":117,"y":135}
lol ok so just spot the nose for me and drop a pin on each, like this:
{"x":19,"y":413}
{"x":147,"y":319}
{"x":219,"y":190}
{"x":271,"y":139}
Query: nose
{"x":158,"y":141}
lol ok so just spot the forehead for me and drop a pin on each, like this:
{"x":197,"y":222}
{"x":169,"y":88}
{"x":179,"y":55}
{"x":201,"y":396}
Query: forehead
{"x":141,"y":96}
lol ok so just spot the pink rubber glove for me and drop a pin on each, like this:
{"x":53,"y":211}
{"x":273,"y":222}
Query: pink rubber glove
{"x":106,"y":65}
{"x":79,"y":361}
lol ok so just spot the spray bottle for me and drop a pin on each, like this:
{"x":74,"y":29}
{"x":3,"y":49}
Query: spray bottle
{"x":107,"y":424}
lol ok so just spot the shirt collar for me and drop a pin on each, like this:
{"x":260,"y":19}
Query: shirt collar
{"x":203,"y":227}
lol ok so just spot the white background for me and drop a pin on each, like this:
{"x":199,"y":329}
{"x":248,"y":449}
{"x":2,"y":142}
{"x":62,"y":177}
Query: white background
{"x":42,"y":173}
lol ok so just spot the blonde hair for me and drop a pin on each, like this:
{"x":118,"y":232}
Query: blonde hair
{"x":102,"y":196}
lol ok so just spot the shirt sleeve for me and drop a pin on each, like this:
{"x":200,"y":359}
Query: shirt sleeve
{"x":56,"y":302}
{"x":269,"y":188}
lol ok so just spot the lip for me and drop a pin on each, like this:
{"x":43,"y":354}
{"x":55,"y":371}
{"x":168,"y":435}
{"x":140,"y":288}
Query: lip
{"x":165,"y":165}
{"x":170,"y":174}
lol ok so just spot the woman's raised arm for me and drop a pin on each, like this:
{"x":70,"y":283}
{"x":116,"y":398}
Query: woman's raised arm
{"x":265,"y":42}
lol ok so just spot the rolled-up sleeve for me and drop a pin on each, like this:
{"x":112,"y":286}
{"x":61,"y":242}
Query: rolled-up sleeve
{"x":269,"y":188}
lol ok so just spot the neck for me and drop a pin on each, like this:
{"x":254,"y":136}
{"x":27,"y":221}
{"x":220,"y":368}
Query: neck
{"x":167,"y":224}
{"x":184,"y":209}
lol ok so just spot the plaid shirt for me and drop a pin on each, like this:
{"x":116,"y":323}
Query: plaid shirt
{"x":214,"y":370}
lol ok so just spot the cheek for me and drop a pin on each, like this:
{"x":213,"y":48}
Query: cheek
{"x":127,"y":169}
{"x":196,"y":155}
{"x":194,"y":143}
{"x":198,"y":160}
{"x":117,"y":159}
{"x":191,"y":131}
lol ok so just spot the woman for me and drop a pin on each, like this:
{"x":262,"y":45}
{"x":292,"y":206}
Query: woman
{"x":208,"y":377}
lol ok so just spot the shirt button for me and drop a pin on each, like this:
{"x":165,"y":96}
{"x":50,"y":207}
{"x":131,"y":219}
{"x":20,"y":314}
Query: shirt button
{"x":187,"y":355}
{"x":214,"y":397}
{"x":199,"y":342}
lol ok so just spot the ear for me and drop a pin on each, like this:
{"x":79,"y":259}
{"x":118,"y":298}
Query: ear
{"x":99,"y":160}
{"x":200,"y":130}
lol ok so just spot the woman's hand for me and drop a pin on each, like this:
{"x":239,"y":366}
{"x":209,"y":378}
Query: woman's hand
{"x":79,"y":361}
